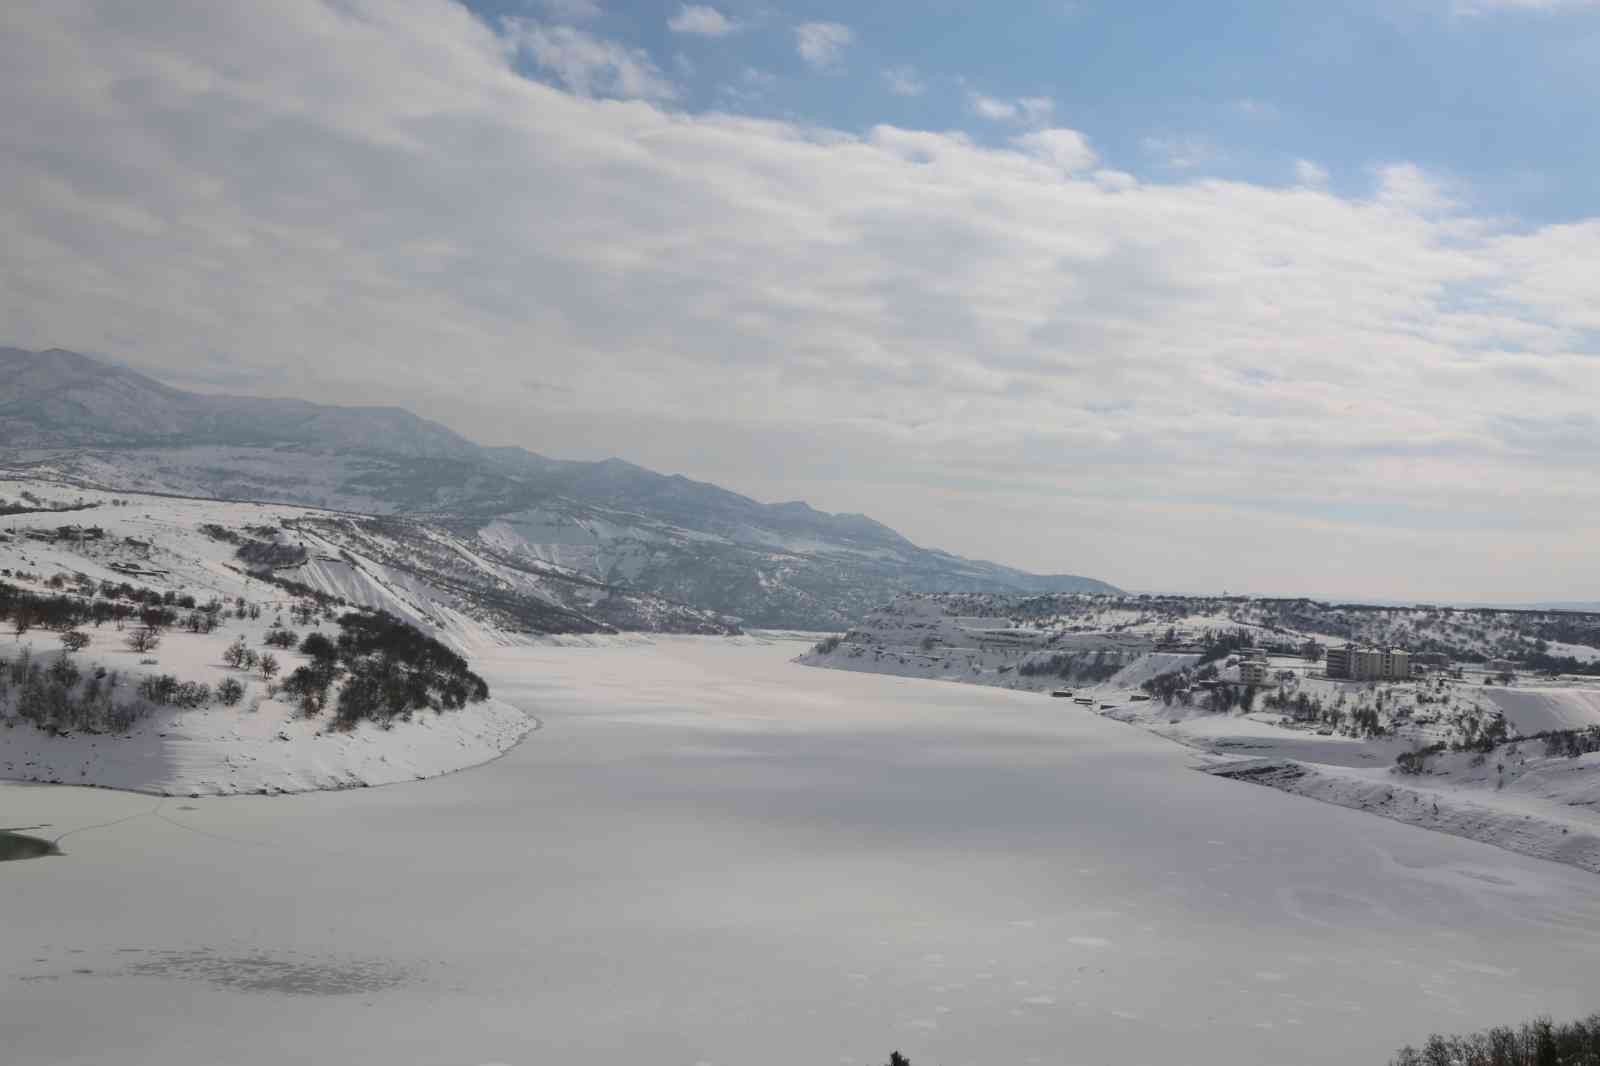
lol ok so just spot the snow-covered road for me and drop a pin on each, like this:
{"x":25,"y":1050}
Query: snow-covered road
{"x":709,"y":854}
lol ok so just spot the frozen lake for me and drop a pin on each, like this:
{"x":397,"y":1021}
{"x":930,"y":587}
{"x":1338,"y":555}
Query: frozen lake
{"x":710,"y":855}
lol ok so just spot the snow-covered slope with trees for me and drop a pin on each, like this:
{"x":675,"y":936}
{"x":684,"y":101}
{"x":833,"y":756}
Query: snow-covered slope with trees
{"x":1508,"y":757}
{"x":160,"y":644}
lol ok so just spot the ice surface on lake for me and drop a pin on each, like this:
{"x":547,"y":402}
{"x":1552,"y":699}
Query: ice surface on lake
{"x":711,"y":855}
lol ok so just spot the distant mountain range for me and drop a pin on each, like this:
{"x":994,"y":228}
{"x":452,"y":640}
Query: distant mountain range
{"x":73,"y":417}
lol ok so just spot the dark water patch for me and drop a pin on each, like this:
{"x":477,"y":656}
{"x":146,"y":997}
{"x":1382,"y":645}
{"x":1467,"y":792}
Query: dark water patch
{"x":21,"y":846}
{"x":288,"y":973}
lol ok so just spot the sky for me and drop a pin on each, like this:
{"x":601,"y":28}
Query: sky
{"x":1280,"y":297}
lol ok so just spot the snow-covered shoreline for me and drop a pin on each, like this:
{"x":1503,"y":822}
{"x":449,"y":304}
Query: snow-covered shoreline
{"x":1517,"y":797}
{"x":1528,"y":828}
{"x":268,"y":751}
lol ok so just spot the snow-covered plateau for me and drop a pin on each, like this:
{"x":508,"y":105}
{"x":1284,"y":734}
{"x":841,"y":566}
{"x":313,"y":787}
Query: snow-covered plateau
{"x":1516,"y":765}
{"x":710,"y":854}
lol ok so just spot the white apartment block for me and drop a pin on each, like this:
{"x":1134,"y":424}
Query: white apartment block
{"x":1355,"y":663}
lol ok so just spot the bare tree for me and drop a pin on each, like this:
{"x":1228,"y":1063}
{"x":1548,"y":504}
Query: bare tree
{"x":144,"y":640}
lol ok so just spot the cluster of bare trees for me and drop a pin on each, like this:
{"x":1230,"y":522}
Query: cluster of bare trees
{"x":60,"y":697}
{"x":1540,"y":1042}
{"x":1086,"y":667}
{"x":1571,"y":743}
{"x":241,"y":656}
{"x":387,"y":670}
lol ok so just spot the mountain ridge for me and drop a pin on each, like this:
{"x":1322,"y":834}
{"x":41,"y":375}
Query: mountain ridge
{"x":781,"y":564}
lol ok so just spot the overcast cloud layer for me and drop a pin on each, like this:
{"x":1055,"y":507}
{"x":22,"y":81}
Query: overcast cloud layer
{"x":1012,"y":349}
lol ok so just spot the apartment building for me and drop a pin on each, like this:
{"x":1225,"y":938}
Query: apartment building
{"x":1253,"y":671}
{"x":1354,"y":663}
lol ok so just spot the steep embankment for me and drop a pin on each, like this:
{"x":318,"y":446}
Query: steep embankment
{"x":1538,"y":709}
{"x":1533,"y":819}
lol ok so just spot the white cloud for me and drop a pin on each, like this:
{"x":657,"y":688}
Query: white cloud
{"x":1067,"y":150}
{"x":751,"y":85}
{"x":1182,"y":152}
{"x":992,"y":108}
{"x":590,"y":65}
{"x":571,"y":10}
{"x":1484,"y":7}
{"x":822,"y":44}
{"x":1007,"y":351}
{"x":1028,"y":110}
{"x":904,"y":81}
{"x":1036,"y":110}
{"x":1250,"y":107}
{"x":702,"y":21}
{"x":1409,"y":187}
{"x":1115,"y":180}
{"x":1308,"y":173}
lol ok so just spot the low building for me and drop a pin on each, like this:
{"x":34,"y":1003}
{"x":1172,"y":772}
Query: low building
{"x":1501,"y":666}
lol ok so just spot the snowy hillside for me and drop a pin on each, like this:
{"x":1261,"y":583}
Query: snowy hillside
{"x":66,"y":417}
{"x":1457,"y":749}
{"x":261,"y":744}
{"x":461,"y":587}
{"x":125,"y":610}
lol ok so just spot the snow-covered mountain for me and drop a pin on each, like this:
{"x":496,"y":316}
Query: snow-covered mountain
{"x":70,"y":417}
{"x":61,"y":398}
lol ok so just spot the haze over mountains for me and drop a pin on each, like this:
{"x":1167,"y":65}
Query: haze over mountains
{"x":68,"y":415}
